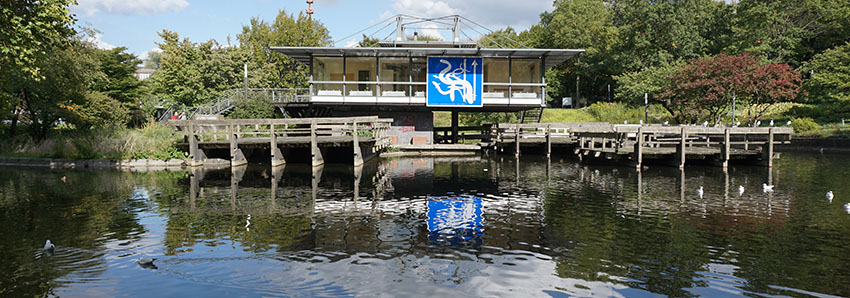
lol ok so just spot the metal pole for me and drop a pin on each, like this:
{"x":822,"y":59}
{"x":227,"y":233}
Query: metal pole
{"x":646,"y":108}
{"x":733,"y":107}
{"x":246,"y":79}
{"x":609,"y":92}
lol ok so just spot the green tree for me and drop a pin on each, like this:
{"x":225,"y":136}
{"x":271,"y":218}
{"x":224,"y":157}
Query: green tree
{"x":830,"y":71}
{"x":269,"y":69}
{"x":789,"y":31}
{"x":368,"y":42}
{"x":118,"y":67}
{"x":30,"y":28}
{"x":191,"y":74}
{"x":651,"y":80}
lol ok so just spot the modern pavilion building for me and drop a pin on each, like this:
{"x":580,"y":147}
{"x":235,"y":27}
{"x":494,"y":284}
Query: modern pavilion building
{"x":408,"y":80}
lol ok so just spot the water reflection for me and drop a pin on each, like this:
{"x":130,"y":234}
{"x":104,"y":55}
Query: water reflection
{"x":431,"y":226}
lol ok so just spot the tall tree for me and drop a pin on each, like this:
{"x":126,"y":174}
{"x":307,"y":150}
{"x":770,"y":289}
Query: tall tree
{"x":830,"y":74}
{"x":30,"y":30}
{"x":119,"y":68}
{"x":270,"y":69}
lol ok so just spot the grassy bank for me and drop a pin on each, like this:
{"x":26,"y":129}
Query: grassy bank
{"x":152,"y":141}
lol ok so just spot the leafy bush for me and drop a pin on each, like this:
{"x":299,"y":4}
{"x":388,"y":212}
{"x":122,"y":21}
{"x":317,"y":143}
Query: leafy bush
{"x":100,"y":110}
{"x":256,"y":106}
{"x":802,"y":125}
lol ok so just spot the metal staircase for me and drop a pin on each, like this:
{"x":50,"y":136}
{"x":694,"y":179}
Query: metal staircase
{"x":227,"y":101}
{"x":531,"y":116}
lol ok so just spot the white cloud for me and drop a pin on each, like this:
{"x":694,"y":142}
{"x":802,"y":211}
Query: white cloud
{"x":431,"y":30}
{"x":351,"y":43}
{"x":99,"y":43}
{"x":424,"y":8}
{"x":144,"y":55}
{"x":130,"y":7}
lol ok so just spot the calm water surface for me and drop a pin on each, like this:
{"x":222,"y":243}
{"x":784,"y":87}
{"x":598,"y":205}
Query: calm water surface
{"x":472,"y":226}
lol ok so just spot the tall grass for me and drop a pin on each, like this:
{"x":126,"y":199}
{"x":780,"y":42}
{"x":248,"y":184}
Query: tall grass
{"x":153,"y":141}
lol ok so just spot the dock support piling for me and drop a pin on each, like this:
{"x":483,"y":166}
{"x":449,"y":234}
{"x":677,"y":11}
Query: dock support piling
{"x":454,"y":127}
{"x":237,"y":158}
{"x":548,"y":142}
{"x":768,"y":149}
{"x":358,"y":153}
{"x":681,"y":155}
{"x":724,"y":151}
{"x":196,"y":154}
{"x":277,"y":155}
{"x":516,"y":138}
{"x":316,"y":153}
{"x":638,"y":152}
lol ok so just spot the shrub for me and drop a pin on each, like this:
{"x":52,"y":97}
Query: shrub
{"x":257,"y":106}
{"x":101,"y":110}
{"x":802,"y":125}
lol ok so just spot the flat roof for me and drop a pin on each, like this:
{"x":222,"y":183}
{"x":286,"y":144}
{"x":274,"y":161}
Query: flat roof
{"x":553,"y":56}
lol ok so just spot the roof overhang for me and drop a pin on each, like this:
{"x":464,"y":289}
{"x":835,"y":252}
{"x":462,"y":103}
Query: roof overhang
{"x":552,"y":57}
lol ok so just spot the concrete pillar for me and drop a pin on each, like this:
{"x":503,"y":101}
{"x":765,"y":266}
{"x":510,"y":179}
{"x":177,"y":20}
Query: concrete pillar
{"x":277,"y":155}
{"x":196,"y":154}
{"x":680,"y":150}
{"x":358,"y":153}
{"x":638,"y":152}
{"x":454,"y":127}
{"x":316,"y":153}
{"x":236,"y":156}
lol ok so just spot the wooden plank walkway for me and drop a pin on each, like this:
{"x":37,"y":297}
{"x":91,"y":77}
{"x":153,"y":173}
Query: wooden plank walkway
{"x":277,"y":133}
{"x":634,"y":143}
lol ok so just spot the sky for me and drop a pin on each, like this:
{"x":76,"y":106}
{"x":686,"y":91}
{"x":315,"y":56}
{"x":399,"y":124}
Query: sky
{"x":134,"y":24}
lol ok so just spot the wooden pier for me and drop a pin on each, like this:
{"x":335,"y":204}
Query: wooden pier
{"x":634,"y":144}
{"x":365,"y":135}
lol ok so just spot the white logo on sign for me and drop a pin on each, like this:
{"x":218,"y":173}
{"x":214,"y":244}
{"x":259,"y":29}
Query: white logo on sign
{"x":453,"y":81}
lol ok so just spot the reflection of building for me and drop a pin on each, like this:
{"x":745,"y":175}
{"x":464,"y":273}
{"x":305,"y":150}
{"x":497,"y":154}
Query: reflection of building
{"x":143,"y":73}
{"x":392,"y":78}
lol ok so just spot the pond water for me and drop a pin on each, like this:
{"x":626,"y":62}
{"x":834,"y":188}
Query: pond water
{"x":466,"y":226}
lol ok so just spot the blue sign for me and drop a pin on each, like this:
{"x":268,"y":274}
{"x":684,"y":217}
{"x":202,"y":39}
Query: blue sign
{"x":455,"y":221}
{"x":455,"y":82}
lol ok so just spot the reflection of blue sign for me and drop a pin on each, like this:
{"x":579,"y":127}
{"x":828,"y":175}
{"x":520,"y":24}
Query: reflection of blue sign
{"x":455,"y":82}
{"x":454,"y":221}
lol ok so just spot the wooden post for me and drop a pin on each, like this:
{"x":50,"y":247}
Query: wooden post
{"x":517,"y":140}
{"x":277,"y":156}
{"x":236,"y":156}
{"x":358,"y":153}
{"x":768,"y":150}
{"x":680,"y":150}
{"x":548,"y":141}
{"x":196,"y":155}
{"x":638,"y":153}
{"x":316,"y":153}
{"x":454,"y":127}
{"x":724,"y":151}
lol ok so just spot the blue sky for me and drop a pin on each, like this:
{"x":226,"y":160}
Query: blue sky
{"x":134,"y":23}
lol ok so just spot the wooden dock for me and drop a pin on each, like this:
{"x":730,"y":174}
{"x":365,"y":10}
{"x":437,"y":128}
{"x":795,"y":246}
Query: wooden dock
{"x":361,"y":133}
{"x":633,"y":144}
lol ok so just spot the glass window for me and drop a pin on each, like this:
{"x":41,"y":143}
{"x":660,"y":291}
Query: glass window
{"x":525,"y":71}
{"x":360,"y":69}
{"x":394,"y":70}
{"x":419,"y":69}
{"x":327,"y":68}
{"x":495,"y":70}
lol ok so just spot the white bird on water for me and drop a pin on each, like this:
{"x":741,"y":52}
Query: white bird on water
{"x":49,"y":247}
{"x":829,"y":196}
{"x":740,"y":190}
{"x":700,"y":192}
{"x":248,"y":223}
{"x":766,"y":188}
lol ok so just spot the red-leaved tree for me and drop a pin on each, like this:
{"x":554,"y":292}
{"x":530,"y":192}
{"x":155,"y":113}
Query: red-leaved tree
{"x":703,"y":88}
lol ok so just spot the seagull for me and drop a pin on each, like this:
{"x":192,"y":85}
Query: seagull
{"x":771,"y":122}
{"x":641,"y":122}
{"x":49,"y":247}
{"x":829,"y":196}
{"x":705,"y":123}
{"x":666,"y":122}
{"x":788,"y":123}
{"x":766,"y":188}
{"x":737,"y":123}
{"x":248,"y":222}
{"x":740,"y":190}
{"x":758,"y":123}
{"x":625,"y":121}
{"x":64,"y":179}
{"x":847,"y":207}
{"x":700,"y":192}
